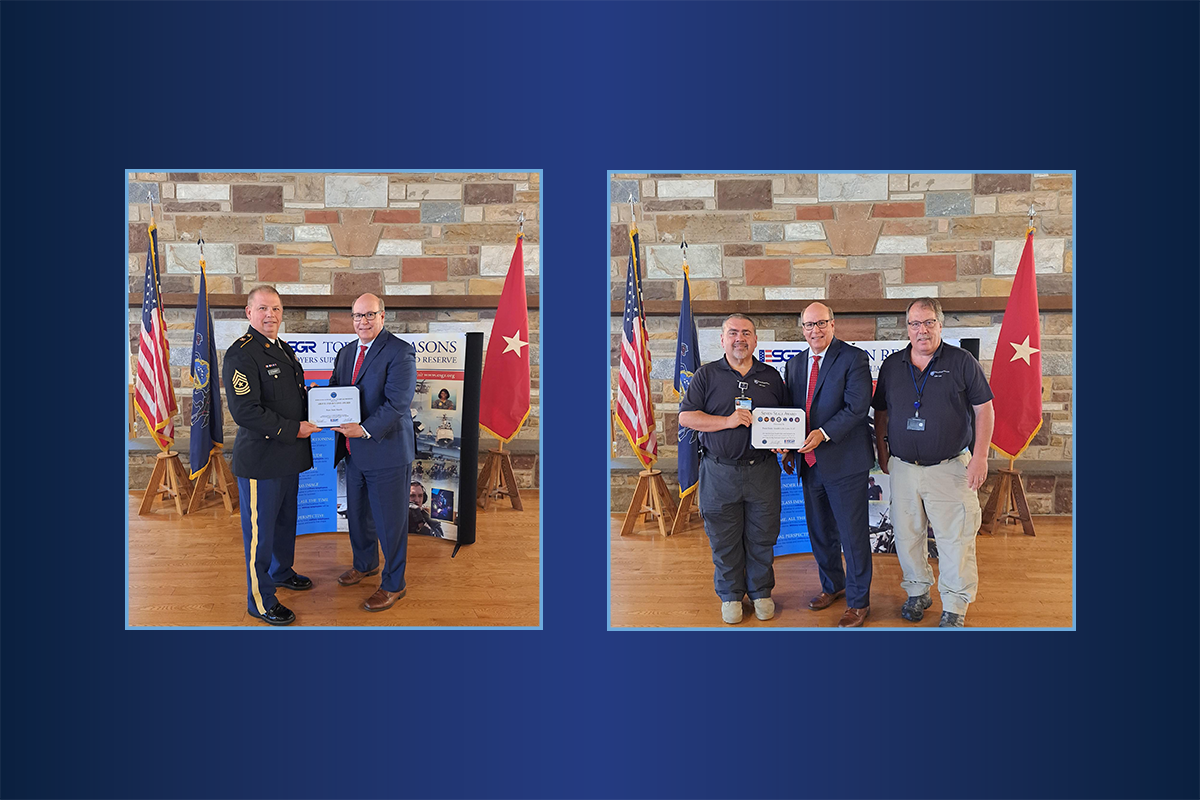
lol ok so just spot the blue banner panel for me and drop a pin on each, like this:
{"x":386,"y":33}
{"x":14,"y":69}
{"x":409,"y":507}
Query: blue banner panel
{"x":793,"y":525}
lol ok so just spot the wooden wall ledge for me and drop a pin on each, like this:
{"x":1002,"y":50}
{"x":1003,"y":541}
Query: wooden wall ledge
{"x":877,"y":305}
{"x":342,"y":302}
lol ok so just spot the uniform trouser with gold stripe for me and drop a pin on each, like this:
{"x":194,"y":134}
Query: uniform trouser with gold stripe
{"x":936,"y":495}
{"x":269,"y":534}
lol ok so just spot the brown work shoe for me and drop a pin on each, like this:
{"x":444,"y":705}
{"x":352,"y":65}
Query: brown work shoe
{"x":381,"y":600}
{"x":824,"y":600}
{"x":854,"y":617}
{"x":353,"y":576}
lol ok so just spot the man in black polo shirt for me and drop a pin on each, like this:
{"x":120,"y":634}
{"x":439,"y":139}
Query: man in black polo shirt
{"x":925,"y":400}
{"x":739,"y":486}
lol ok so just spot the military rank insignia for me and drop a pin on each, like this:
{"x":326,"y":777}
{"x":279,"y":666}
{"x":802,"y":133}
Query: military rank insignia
{"x":241,"y":384}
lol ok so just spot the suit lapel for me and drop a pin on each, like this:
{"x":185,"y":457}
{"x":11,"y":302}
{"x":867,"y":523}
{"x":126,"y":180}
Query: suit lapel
{"x":381,"y":342}
{"x":344,"y":365}
{"x":805,"y":359}
{"x":831,"y":354}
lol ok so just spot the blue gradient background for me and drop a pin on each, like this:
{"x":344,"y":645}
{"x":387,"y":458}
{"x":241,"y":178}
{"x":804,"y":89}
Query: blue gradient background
{"x":91,"y":710}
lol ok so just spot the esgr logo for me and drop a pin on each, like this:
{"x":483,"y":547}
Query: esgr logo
{"x":304,"y":347}
{"x":776,"y":355}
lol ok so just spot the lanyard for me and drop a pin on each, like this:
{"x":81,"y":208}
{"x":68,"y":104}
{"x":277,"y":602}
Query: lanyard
{"x":920,"y":391}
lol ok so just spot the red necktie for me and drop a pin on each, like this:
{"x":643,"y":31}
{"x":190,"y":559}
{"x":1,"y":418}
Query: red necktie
{"x":362,"y":350}
{"x":810,"y":457}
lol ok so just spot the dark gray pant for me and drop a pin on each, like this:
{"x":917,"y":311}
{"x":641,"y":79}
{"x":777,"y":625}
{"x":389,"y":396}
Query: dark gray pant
{"x":740,"y":506}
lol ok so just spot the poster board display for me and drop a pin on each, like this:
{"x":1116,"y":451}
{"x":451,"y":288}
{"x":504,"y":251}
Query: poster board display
{"x":445,"y":415}
{"x":793,"y":528}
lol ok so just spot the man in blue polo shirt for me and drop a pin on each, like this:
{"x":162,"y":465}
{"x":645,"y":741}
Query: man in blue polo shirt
{"x":739,"y":486}
{"x":926,"y":399}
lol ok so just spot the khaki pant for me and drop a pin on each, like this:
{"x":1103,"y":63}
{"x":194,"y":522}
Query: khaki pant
{"x":936,"y":495}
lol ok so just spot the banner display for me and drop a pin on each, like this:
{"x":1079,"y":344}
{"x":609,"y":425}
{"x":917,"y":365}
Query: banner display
{"x":438,"y":421}
{"x":793,"y":524}
{"x":319,"y":486}
{"x":437,"y":411}
{"x":793,"y":528}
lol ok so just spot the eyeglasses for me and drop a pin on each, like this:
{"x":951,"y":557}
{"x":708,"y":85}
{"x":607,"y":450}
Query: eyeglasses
{"x":821,"y":323}
{"x":369,"y":316}
{"x":917,"y":324}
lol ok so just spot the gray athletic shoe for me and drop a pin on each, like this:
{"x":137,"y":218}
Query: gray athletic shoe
{"x":731,"y":611}
{"x":952,"y":620}
{"x":914,"y":607}
{"x":764,"y":608}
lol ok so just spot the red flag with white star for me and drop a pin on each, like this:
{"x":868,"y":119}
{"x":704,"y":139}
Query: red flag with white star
{"x":504,"y":390}
{"x":1017,"y":366}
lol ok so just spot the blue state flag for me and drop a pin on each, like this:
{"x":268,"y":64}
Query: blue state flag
{"x":687,"y":361}
{"x":207,"y":423}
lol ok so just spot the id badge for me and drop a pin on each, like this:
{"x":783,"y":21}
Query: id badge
{"x":916,"y":424}
{"x":742,"y":401}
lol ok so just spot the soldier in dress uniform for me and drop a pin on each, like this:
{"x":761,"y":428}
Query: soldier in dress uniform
{"x":264,"y":387}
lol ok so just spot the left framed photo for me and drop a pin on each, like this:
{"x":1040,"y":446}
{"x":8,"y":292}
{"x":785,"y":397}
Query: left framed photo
{"x":246,"y":290}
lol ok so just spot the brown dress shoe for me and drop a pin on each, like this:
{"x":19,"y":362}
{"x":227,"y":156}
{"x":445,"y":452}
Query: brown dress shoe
{"x":381,"y":600}
{"x":824,"y":600}
{"x":353,"y":576}
{"x":854,"y":617}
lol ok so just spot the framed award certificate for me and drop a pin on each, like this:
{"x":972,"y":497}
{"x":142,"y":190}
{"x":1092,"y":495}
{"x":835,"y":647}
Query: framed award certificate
{"x":777,"y":428}
{"x":329,"y":406}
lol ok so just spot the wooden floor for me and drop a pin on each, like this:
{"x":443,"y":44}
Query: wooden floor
{"x":1024,"y":582}
{"x":191,"y":571}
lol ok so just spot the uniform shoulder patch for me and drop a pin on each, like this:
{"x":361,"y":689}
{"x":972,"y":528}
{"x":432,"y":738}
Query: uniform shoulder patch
{"x":241,"y":384}
{"x":245,"y":340}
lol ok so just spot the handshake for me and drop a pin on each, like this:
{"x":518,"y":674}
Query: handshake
{"x":351,"y":430}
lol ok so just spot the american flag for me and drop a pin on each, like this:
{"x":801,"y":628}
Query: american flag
{"x":635,"y":412}
{"x":155,"y":396}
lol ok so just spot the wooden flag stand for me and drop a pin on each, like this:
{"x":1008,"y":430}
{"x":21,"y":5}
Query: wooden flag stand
{"x":168,"y":480}
{"x":497,"y":480}
{"x":650,"y":487}
{"x":683,"y":517}
{"x":1007,"y":503}
{"x":216,"y":478}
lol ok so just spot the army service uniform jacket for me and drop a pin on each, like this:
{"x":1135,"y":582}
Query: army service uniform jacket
{"x":264,"y":387}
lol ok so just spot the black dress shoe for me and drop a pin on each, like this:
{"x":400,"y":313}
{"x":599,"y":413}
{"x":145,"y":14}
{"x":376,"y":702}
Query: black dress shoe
{"x":297,"y":583}
{"x":277,"y":615}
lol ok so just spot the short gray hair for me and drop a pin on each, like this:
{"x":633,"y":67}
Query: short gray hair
{"x":264,"y":289}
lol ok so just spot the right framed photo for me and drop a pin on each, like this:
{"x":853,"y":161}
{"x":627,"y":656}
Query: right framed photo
{"x":841,"y":400}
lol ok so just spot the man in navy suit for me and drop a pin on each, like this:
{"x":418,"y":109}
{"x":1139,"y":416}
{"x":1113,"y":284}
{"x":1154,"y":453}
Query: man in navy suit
{"x":378,"y":450}
{"x":831,"y":381}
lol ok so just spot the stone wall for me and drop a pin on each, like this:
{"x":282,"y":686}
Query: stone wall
{"x":831,"y":237}
{"x":333,"y":234}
